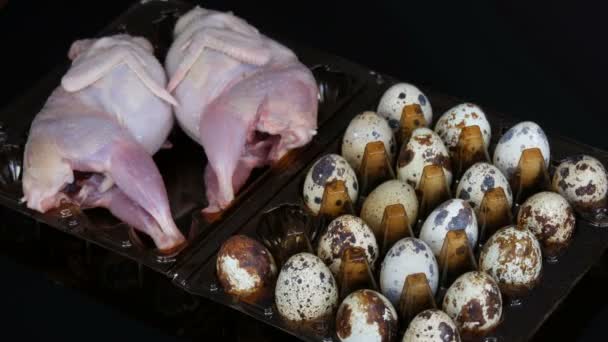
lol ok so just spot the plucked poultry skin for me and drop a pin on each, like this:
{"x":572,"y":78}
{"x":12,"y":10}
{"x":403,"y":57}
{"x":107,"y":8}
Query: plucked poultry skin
{"x":245,"y":98}
{"x":110,"y":114}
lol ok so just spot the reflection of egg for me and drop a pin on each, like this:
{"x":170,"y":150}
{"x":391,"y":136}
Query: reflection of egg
{"x":390,"y":192}
{"x":512,"y":256}
{"x":432,"y":326}
{"x":398,"y":96}
{"x":454,"y":214}
{"x":407,"y":256}
{"x":343,"y":232}
{"x":244,"y":266}
{"x":524,"y":135}
{"x":305,"y":288}
{"x":474,"y":302}
{"x":477,"y":180}
{"x":424,"y":148}
{"x":366,"y":315}
{"x":549,"y":216}
{"x":324,"y":170}
{"x":365,"y":128}
{"x":450,"y":124}
{"x":582,"y":181}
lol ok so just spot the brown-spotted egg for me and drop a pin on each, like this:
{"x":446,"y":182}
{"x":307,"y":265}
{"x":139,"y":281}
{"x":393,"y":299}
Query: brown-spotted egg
{"x":512,"y":256}
{"x":407,"y":256}
{"x":582,"y":181}
{"x":432,"y":325}
{"x":451,"y":123}
{"x":343,"y":232}
{"x":390,"y":192}
{"x":365,"y":128}
{"x":474,"y":302}
{"x":305,"y":289}
{"x":424,"y":148}
{"x":326,"y":169}
{"x":244,"y":266}
{"x":524,"y":135}
{"x":366,"y":315}
{"x":477,"y":180}
{"x":397,"y":97}
{"x":549,"y":216}
{"x":453,"y":214}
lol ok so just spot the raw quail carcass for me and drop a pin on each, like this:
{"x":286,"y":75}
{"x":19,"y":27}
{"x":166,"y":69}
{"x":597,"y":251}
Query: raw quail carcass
{"x":245,"y":98}
{"x":110,"y":114}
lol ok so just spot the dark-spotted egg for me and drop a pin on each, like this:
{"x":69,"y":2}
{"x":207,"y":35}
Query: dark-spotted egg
{"x":582,"y":181}
{"x":479,"y":179}
{"x":424,"y":148}
{"x":524,"y":135}
{"x":326,"y":169}
{"x":343,"y":232}
{"x":453,"y":214}
{"x":397,"y":97}
{"x":451,"y":123}
{"x":366,"y":315}
{"x":432,"y":325}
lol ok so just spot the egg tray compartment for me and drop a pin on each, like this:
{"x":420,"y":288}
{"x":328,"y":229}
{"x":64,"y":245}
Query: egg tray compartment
{"x":181,"y":166}
{"x":521,"y":319}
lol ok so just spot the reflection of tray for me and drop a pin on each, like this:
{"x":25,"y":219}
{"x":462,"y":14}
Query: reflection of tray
{"x":347,"y":90}
{"x":520,"y":323}
{"x":182,"y":166}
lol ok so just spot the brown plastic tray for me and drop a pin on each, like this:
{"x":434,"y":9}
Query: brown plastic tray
{"x":347,"y":89}
{"x":520,"y":322}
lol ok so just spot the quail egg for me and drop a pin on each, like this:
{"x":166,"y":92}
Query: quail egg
{"x":582,"y":181}
{"x":324,"y":170}
{"x":424,"y":148}
{"x":398,"y":96}
{"x":305,"y":289}
{"x":343,"y":232}
{"x":366,"y":315}
{"x":407,"y":256}
{"x":365,"y":128}
{"x":524,"y":135}
{"x":450,"y":124}
{"x":244,"y":266}
{"x":512,"y":256}
{"x":431,"y":325}
{"x":390,"y":192}
{"x":477,"y":180}
{"x":549,"y":216}
{"x":453,"y":214}
{"x":474,"y":302}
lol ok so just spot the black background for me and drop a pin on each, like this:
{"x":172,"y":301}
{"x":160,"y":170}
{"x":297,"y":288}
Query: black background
{"x":537,"y":62}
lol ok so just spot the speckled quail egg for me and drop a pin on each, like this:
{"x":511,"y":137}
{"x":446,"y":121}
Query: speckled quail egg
{"x":512,"y":256}
{"x":366,"y":315}
{"x":450,"y":124}
{"x":407,"y":256}
{"x":549,"y":216}
{"x":390,"y":192}
{"x":398,"y":96}
{"x":324,"y":170}
{"x":453,"y":214}
{"x":305,"y":289}
{"x":524,"y":135}
{"x":365,"y":128}
{"x":582,"y":181}
{"x":424,"y":148}
{"x":431,"y":325}
{"x":343,"y":232}
{"x":477,"y":180}
{"x":244,"y":266}
{"x":474,"y":302}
